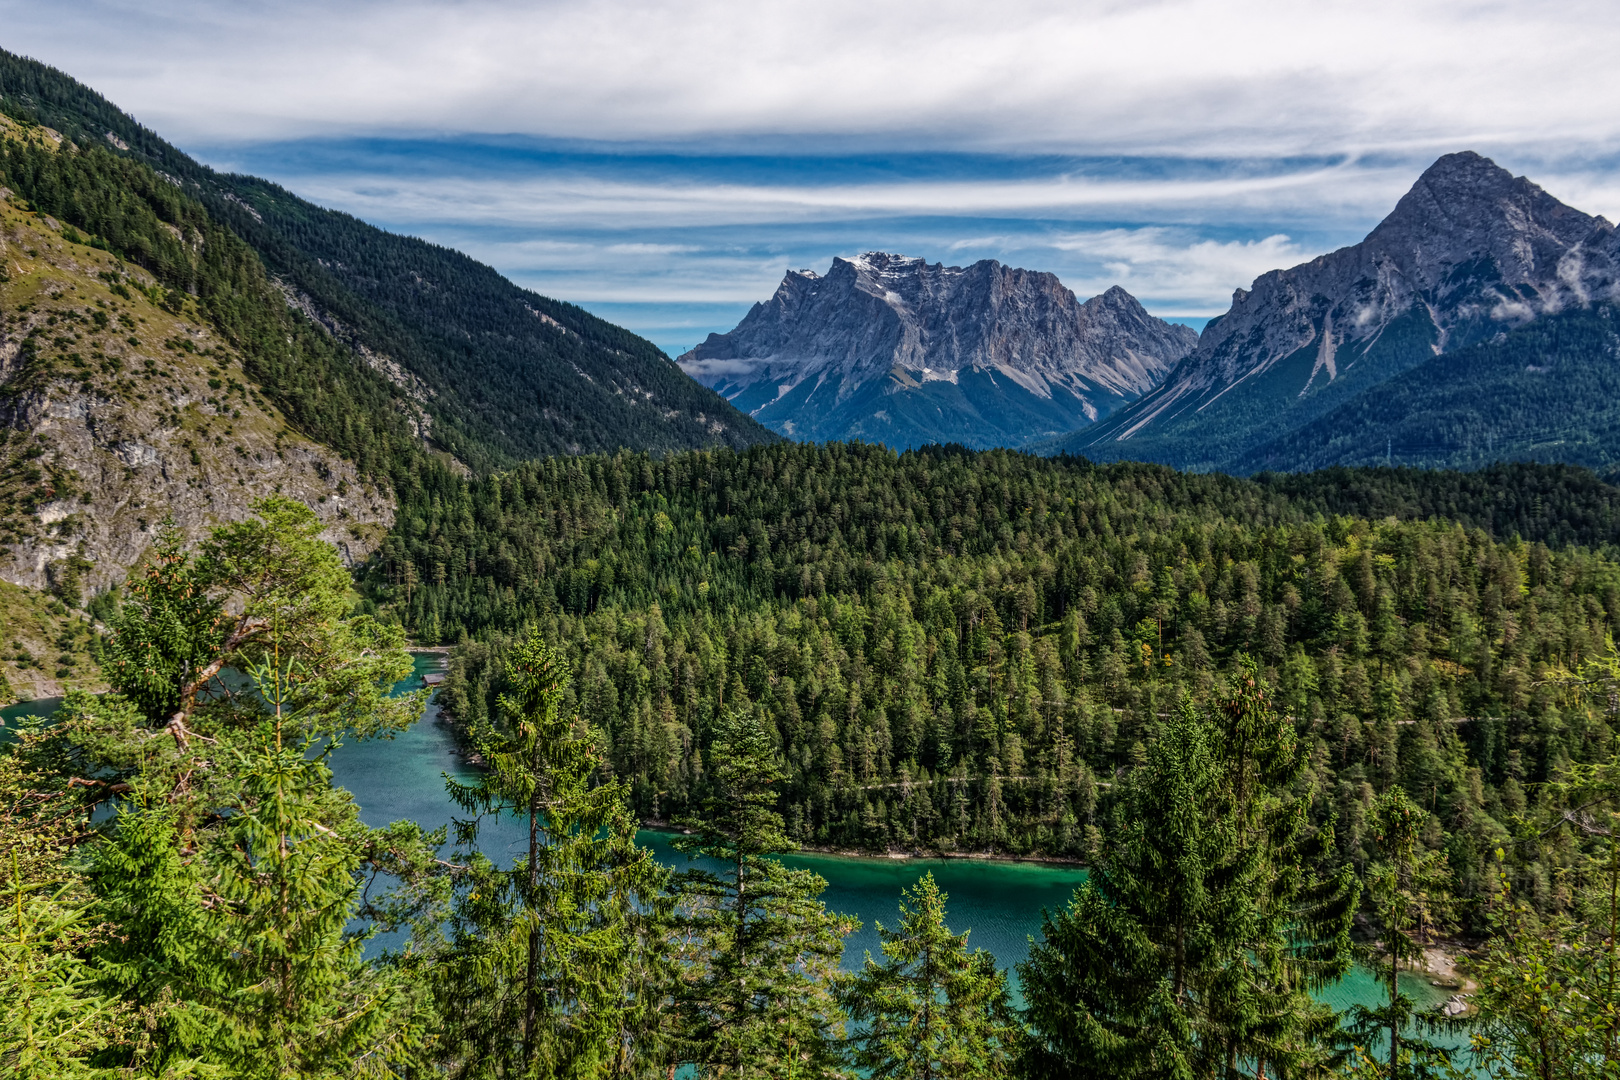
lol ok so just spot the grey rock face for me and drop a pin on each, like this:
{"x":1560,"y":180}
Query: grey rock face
{"x":898,"y":350}
{"x":1470,"y":252}
{"x":104,"y":434}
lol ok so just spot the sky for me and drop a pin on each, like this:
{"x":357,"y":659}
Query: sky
{"x":662,"y":164}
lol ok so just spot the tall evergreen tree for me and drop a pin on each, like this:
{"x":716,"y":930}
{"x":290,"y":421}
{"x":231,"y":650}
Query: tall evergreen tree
{"x":1115,"y":986}
{"x":931,"y":1010}
{"x":233,"y":869}
{"x":555,"y":967}
{"x":757,"y":990}
{"x":1297,"y":938}
{"x":1194,"y":947}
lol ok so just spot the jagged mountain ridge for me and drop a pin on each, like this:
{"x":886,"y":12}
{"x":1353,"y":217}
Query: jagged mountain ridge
{"x":894,"y":349}
{"x":1468,"y":255}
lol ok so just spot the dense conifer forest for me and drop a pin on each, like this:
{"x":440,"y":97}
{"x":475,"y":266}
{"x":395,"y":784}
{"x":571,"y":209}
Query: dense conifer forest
{"x":1352,"y":739}
{"x":966,"y":651}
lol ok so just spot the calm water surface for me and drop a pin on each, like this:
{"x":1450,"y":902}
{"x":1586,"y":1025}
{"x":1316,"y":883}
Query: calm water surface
{"x":1000,"y":903}
{"x":402,"y":778}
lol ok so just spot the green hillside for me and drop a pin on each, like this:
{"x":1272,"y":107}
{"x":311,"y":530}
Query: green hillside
{"x":113,"y":204}
{"x":503,"y":373}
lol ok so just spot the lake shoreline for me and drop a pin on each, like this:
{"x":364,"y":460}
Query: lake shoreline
{"x":896,"y":854}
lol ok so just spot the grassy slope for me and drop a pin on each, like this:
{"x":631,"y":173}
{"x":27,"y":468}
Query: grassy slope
{"x":44,"y":648}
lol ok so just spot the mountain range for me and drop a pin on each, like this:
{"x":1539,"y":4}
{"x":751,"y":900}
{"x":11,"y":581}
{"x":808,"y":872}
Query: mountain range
{"x":892,"y":349}
{"x":177,"y":342}
{"x":1473,"y":324}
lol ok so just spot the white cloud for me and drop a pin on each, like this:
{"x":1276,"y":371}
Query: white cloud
{"x":1273,"y":76}
{"x":1353,"y":189}
{"x":1196,"y":276}
{"x":1232,"y":96}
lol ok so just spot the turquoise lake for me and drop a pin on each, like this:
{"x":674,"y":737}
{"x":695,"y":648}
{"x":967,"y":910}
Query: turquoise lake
{"x":999,"y":902}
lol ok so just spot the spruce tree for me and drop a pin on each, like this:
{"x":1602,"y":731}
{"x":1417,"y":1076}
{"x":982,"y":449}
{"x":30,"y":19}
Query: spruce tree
{"x":555,"y":966}
{"x":1194,"y":946}
{"x":931,"y":1010}
{"x":1296,"y":938}
{"x":759,"y":966}
{"x":240,"y":954}
{"x":1113,"y":986}
{"x":233,"y":870}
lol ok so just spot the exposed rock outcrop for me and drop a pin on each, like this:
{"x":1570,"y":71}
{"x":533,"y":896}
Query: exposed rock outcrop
{"x":116,"y":414}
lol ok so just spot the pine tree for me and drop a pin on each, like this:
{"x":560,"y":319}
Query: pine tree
{"x":1196,"y":943}
{"x":757,"y":989}
{"x":1297,"y":937}
{"x":240,"y":957}
{"x":931,"y":1010}
{"x":267,"y":596}
{"x":555,"y":967}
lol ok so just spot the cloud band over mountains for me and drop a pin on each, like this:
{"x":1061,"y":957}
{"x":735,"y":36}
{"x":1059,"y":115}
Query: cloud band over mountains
{"x":641,"y":156}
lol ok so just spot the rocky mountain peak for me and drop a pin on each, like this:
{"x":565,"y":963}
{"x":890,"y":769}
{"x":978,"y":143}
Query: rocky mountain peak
{"x":1466,"y":207}
{"x":886,"y":262}
{"x":883,"y":333}
{"x":1470,"y":253}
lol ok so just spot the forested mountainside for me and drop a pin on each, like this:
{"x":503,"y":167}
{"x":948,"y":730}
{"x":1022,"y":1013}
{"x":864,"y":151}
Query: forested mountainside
{"x":1559,"y":505}
{"x":488,"y":371}
{"x":148,"y":370}
{"x":1549,"y":391}
{"x":893,"y":349}
{"x":961,"y":651}
{"x":1426,"y":337}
